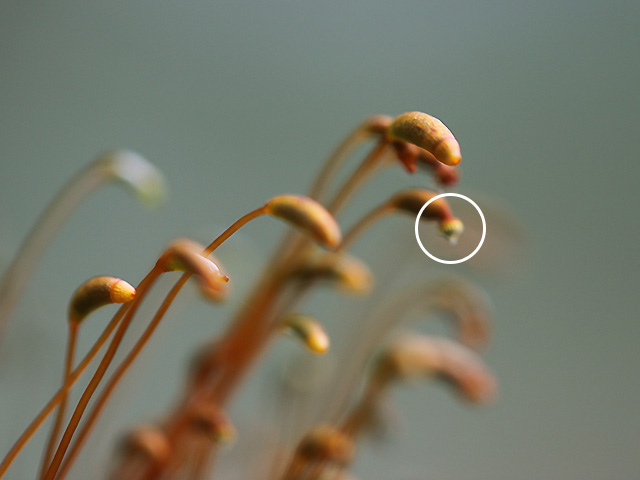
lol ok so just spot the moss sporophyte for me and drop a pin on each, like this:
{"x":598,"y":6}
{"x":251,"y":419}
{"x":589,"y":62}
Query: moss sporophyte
{"x":187,"y":440}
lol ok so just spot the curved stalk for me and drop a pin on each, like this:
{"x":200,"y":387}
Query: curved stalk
{"x":142,"y":290}
{"x":293,"y":248}
{"x":133,"y":354}
{"x":17,"y":276}
{"x":369,"y":127}
{"x":100,"y":403}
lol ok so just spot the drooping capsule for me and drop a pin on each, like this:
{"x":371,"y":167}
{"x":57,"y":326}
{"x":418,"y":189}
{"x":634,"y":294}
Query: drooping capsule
{"x":186,"y":256}
{"x":307,"y":215}
{"x":412,"y":200}
{"x":426,"y":132}
{"x":97,"y":292}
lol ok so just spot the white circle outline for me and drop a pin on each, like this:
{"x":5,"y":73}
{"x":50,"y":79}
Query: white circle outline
{"x":484,"y":229}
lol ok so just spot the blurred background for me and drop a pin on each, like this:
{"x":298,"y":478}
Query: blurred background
{"x":238,"y":101}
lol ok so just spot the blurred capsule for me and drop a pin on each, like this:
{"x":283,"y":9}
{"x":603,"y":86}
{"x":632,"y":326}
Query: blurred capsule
{"x":419,"y":356}
{"x":308,"y":330}
{"x":326,"y":443}
{"x":340,"y":270}
{"x":146,"y":441}
{"x":212,"y":422}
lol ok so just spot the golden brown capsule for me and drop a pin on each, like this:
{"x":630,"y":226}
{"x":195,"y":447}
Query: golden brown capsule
{"x":97,"y":292}
{"x":307,"y":215}
{"x":426,"y":132}
{"x":308,"y":330}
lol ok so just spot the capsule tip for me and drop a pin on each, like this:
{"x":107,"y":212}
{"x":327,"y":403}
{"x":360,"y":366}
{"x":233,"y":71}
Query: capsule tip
{"x":122,"y":292}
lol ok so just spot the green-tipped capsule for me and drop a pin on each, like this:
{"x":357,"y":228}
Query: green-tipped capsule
{"x":451,"y":228}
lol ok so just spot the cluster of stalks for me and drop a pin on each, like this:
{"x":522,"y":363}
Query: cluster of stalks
{"x":186,"y":442}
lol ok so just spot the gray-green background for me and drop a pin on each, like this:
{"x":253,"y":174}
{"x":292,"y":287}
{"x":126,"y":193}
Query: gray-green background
{"x":238,"y":101}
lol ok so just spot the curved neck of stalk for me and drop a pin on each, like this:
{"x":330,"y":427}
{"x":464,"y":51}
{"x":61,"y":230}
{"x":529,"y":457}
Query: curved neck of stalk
{"x":234,"y":228}
{"x":17,"y":276}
